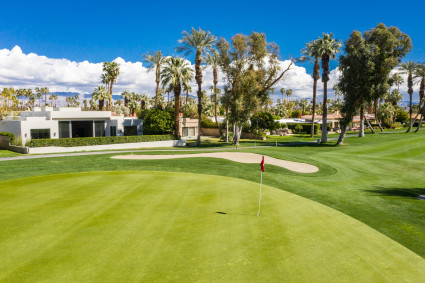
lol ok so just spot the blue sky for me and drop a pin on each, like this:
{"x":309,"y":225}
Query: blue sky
{"x":53,"y":38}
{"x":100,"y":31}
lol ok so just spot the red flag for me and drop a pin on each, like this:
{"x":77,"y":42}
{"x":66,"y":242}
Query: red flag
{"x":262,"y":164}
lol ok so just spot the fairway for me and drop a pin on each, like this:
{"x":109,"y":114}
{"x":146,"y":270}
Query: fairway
{"x":158,"y":226}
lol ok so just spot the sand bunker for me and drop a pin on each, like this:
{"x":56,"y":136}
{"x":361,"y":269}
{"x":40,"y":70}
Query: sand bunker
{"x":243,"y":157}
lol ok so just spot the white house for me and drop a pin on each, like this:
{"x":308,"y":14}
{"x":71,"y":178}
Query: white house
{"x":68,"y":122}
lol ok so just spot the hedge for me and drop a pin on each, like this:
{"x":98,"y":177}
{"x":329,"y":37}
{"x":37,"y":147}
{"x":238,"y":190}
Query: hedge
{"x":68,"y":142}
{"x":208,"y":123}
{"x":306,"y":128}
{"x":10,"y":135}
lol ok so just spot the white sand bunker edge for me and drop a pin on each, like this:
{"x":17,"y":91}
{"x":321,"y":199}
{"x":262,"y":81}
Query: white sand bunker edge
{"x":242,"y":157}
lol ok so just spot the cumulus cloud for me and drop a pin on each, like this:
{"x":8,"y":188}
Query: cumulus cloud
{"x":21,"y":70}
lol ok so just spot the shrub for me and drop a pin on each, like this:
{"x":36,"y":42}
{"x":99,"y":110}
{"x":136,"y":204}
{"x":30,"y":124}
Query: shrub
{"x":296,"y":114}
{"x":223,"y":137}
{"x":397,"y":125}
{"x":402,"y":117}
{"x":10,"y":135}
{"x":207,"y":123}
{"x":157,"y":121}
{"x":68,"y":142}
{"x":298,"y":129}
{"x":262,"y":121}
{"x":306,"y":128}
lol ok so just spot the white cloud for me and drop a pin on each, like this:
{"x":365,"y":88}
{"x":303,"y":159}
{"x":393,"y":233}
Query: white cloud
{"x":62,"y":75}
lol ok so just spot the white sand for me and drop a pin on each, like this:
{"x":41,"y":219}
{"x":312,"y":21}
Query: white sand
{"x":243,"y":157}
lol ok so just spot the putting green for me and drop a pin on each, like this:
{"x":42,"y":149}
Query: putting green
{"x":156,"y":226}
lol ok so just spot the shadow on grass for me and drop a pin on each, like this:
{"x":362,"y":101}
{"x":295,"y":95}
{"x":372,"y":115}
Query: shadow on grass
{"x":413,"y":193}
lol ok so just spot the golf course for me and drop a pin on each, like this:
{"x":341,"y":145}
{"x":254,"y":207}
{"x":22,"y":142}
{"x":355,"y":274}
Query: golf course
{"x":97,"y":218}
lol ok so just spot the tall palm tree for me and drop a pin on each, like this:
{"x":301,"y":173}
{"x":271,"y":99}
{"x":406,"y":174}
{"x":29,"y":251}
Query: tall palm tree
{"x":212,"y":59}
{"x":282,"y":91}
{"x":177,"y":72}
{"x":155,"y":61}
{"x":39,"y":95}
{"x":187,"y":89}
{"x":126,"y":94}
{"x":100,"y":93}
{"x":144,"y":101}
{"x":111,"y":71}
{"x":327,"y":48}
{"x":199,"y":42}
{"x":397,"y":80}
{"x":419,"y":74}
{"x":407,"y":69}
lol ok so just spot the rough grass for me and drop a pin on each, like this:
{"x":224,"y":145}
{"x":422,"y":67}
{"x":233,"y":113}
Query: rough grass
{"x":156,"y":226}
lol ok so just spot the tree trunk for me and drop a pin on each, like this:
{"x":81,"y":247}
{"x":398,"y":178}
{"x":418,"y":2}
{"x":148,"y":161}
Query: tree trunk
{"x":227,"y":125}
{"x":410,"y":112}
{"x":126,"y":101}
{"x":237,"y":134}
{"x":198,"y":78}
{"x":314,"y":107}
{"x":215,"y":100}
{"x":177,"y":90}
{"x":361,"y":130}
{"x":325,"y":114}
{"x":379,"y":125}
{"x":342,"y":135}
{"x":101,"y":102}
{"x":369,"y":125}
{"x":157,"y":80}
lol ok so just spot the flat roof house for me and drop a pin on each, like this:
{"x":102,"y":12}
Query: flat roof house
{"x":69,"y":122}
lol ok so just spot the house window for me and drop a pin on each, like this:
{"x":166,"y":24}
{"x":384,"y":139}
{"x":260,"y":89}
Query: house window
{"x":130,"y":130}
{"x":64,"y":129}
{"x":99,"y":128}
{"x":40,"y":133}
{"x":188,"y":131}
{"x":113,"y":131}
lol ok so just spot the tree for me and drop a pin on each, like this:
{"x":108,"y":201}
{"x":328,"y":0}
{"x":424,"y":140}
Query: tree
{"x":326,"y":48}
{"x":251,"y":68}
{"x":126,"y":94}
{"x":419,"y":74}
{"x":157,"y":121}
{"x":408,"y":68}
{"x":212,"y":60}
{"x":366,"y":67}
{"x":187,"y":89}
{"x":282,"y":91}
{"x":177,"y":72}
{"x":100,"y":93}
{"x":155,"y":61}
{"x":386,"y":113}
{"x":397,"y":80}
{"x":39,"y":95}
{"x":144,"y":101}
{"x":288,"y":93}
{"x":310,"y":54}
{"x":111,"y":71}
{"x":198,"y":42}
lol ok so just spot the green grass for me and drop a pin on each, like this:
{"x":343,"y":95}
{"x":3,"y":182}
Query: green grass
{"x":8,"y":153}
{"x":155,"y":226}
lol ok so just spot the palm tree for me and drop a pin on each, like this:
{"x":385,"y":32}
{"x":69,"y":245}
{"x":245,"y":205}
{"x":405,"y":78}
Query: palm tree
{"x":326,"y":48}
{"x":199,"y":42}
{"x":155,"y":61}
{"x":100,"y":93}
{"x":282,"y":91}
{"x":213,"y":61}
{"x":126,"y":94}
{"x":39,"y":95}
{"x":144,"y":101}
{"x":187,"y":89}
{"x":288,"y":93}
{"x":397,"y":80}
{"x":109,"y":77}
{"x":407,"y":69}
{"x":419,"y":73}
{"x":176,"y":71}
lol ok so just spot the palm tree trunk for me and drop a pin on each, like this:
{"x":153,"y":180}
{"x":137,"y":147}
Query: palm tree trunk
{"x":410,"y":113}
{"x":198,"y":78}
{"x":325,"y":113}
{"x":177,"y":112}
{"x":101,"y":103}
{"x":361,"y":129}
{"x":369,"y":125}
{"x":227,"y":125}
{"x":314,"y":106}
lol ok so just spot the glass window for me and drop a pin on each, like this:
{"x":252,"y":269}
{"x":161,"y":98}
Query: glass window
{"x":64,"y":129}
{"x":191,"y":132}
{"x":113,"y":131}
{"x":40,"y":133}
{"x":185,"y":131}
{"x":130,"y":130}
{"x":99,"y":128}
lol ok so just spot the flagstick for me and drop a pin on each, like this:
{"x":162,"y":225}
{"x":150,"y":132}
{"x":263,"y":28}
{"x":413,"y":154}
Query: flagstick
{"x":259,"y":200}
